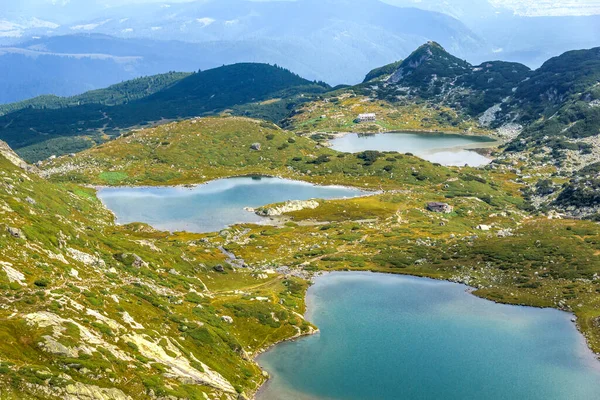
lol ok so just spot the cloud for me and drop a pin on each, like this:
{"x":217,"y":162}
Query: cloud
{"x":538,"y":8}
{"x":205,"y":21}
{"x":89,"y":27}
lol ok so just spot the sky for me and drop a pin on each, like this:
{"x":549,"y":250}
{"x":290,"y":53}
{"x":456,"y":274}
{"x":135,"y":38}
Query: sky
{"x":519,"y":7}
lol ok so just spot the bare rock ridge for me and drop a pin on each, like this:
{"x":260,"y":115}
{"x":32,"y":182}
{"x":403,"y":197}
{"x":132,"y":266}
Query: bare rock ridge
{"x":11,"y":156}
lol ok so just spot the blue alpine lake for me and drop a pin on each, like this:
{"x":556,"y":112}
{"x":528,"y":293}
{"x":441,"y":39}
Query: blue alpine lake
{"x":212,"y":206}
{"x":446,"y":149}
{"x":396,"y":337}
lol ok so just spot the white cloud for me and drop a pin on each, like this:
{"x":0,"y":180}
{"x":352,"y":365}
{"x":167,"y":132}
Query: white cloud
{"x":537,"y":8}
{"x":38,"y":23}
{"x":89,"y":27}
{"x":205,"y":21}
{"x":17,"y":29}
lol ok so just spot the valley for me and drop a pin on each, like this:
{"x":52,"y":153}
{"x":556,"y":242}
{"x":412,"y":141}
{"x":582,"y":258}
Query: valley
{"x":98,"y":305}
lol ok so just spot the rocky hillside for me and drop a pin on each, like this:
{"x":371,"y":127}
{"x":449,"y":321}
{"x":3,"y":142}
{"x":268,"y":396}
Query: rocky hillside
{"x":560,"y":103}
{"x":97,"y":311}
{"x":431,"y":73}
{"x":550,"y":117}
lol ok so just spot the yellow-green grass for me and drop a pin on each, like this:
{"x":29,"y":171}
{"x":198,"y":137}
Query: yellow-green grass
{"x":338,"y":114}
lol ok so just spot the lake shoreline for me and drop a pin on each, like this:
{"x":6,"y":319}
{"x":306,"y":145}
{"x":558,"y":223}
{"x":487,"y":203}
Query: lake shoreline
{"x":492,"y":137}
{"x":468,"y":289}
{"x":448,"y":149}
{"x":192,"y":186}
{"x":240,"y":211}
{"x":312,"y":331}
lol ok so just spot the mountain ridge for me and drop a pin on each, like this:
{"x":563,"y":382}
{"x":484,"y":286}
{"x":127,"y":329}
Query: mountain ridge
{"x":196,"y":94}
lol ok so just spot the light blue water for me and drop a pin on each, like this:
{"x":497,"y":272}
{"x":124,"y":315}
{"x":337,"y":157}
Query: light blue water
{"x":441,"y":148}
{"x":213,"y":206}
{"x":393,"y":337}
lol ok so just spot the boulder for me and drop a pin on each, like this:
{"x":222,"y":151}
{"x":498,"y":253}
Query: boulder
{"x":256,"y":146}
{"x":219,"y":268}
{"x":15,"y":232}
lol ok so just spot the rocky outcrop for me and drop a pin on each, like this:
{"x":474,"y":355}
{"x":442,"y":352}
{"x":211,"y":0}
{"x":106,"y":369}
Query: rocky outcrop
{"x":179,"y":366}
{"x":11,"y":156}
{"x":12,"y":274}
{"x":80,"y":391}
{"x":86,"y":258}
{"x":288,"y":206}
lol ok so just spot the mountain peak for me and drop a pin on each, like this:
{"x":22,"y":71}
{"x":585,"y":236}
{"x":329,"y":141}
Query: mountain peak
{"x":429,"y":60}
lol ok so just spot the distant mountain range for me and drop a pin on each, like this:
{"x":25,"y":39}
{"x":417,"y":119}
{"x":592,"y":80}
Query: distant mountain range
{"x":496,"y":93}
{"x":329,"y":40}
{"x":67,"y":48}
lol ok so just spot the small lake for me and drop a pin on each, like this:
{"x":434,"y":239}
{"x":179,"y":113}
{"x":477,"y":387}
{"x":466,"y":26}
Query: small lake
{"x":446,"y":149}
{"x":212,"y":206}
{"x":394,"y":337}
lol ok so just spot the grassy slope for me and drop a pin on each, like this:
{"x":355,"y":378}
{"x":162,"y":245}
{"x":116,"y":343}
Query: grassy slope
{"x":199,"y":150}
{"x":521,"y":260}
{"x":174,"y":294}
{"x":337,"y":112}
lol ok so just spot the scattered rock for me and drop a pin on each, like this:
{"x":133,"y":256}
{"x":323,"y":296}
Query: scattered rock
{"x":15,"y":232}
{"x":227,"y":319}
{"x":85,"y":258}
{"x":13,"y":274}
{"x":81,"y":391}
{"x":129,"y":320}
{"x":219,"y":268}
{"x":51,"y":345}
{"x":180,"y":366}
{"x":288,"y":206}
{"x":256,"y":146}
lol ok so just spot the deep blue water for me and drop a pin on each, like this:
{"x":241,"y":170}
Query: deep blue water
{"x":445,"y":149}
{"x":394,"y":337}
{"x":213,"y":206}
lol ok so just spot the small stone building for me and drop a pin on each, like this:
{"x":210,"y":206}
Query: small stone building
{"x":440,"y":207}
{"x":370,"y":117}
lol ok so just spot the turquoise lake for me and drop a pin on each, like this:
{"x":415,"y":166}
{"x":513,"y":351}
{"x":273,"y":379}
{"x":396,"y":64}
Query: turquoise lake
{"x":212,"y":206}
{"x":395,"y":337}
{"x":446,"y":149}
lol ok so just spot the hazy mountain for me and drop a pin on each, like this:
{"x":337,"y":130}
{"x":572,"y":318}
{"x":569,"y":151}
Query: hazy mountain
{"x":50,"y":125}
{"x":331,"y":40}
{"x":523,"y":31}
{"x":336,"y":41}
